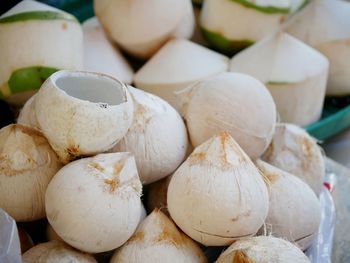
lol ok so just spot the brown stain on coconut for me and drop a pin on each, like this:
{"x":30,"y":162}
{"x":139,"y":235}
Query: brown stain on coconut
{"x":197,"y":158}
{"x":307,"y":146}
{"x":241,"y":257}
{"x":270,"y":177}
{"x":97,"y":167}
{"x":64,"y":26}
{"x":27,"y":130}
{"x":113,"y":183}
{"x":72,"y":153}
{"x":169,"y":232}
{"x":138,"y":236}
{"x":224,"y":137}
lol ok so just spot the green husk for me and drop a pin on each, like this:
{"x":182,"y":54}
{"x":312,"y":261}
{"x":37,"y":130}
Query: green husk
{"x":225,"y":45}
{"x":37,"y":15}
{"x":27,"y":79}
{"x":263,"y":9}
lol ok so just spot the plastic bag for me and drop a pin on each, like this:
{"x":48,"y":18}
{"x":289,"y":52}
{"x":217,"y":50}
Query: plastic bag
{"x":10,"y":249}
{"x":321,"y":249}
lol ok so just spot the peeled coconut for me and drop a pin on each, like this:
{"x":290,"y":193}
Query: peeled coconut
{"x":157,"y":137}
{"x":176,"y":66}
{"x":294,"y":210}
{"x":33,"y":44}
{"x":101,"y":56}
{"x":94,"y":204}
{"x":83,"y":113}
{"x":56,"y":252}
{"x":141,"y":27}
{"x":293,"y":150}
{"x":217,"y":195}
{"x":232,"y":25}
{"x":27,"y":114}
{"x":157,"y":240}
{"x":325,"y":25}
{"x":261,"y":250}
{"x":27,"y":164}
{"x":225,"y":102}
{"x":157,"y":195}
{"x":296,"y":76}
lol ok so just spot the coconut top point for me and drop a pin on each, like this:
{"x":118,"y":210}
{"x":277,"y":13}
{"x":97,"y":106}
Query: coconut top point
{"x":321,"y":21}
{"x":178,"y":64}
{"x":101,"y":56}
{"x":33,"y":41}
{"x":280,"y":59}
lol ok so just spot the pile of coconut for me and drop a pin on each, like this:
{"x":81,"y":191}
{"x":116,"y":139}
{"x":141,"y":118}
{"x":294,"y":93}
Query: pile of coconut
{"x":206,"y":151}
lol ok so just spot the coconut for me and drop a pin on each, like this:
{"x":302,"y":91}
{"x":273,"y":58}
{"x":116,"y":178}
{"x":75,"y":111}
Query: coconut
{"x":148,"y":138}
{"x":33,"y":44}
{"x":225,"y":102}
{"x":142,"y":27}
{"x":177,"y":65}
{"x":94,"y":204}
{"x":294,"y":210}
{"x":263,"y":249}
{"x":101,"y":56}
{"x":296,"y":76}
{"x":232,"y":25}
{"x":157,"y":195}
{"x":56,"y":252}
{"x":325,"y":25}
{"x":293,"y":150}
{"x":83,"y":113}
{"x":27,"y":114}
{"x":27,"y":164}
{"x":218,"y":172}
{"x":158,"y":240}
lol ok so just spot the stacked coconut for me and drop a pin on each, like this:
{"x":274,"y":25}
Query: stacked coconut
{"x":86,"y":143}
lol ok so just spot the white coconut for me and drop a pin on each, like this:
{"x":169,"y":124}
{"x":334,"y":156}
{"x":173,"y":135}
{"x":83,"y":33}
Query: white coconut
{"x":217,"y":195}
{"x":176,"y":66}
{"x":157,"y":195}
{"x":225,"y":102}
{"x":157,"y":240}
{"x":157,"y":137}
{"x":141,"y":27}
{"x":83,"y":113}
{"x":27,"y":164}
{"x":27,"y":114}
{"x":294,"y":210}
{"x":293,"y":150}
{"x":231,"y":25}
{"x":56,"y":252}
{"x":325,"y":25}
{"x":263,"y":249}
{"x":296,"y":76}
{"x":101,"y":56}
{"x":94,"y":204}
{"x":33,"y":44}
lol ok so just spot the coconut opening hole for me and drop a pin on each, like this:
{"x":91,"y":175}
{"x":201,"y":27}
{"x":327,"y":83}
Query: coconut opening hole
{"x":92,"y":87}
